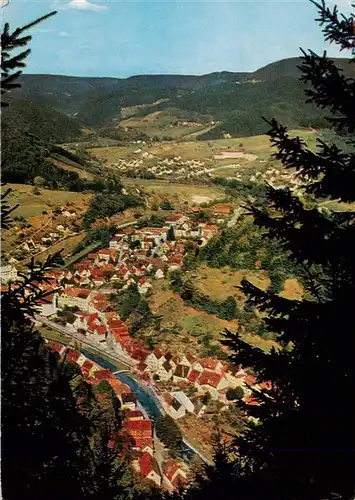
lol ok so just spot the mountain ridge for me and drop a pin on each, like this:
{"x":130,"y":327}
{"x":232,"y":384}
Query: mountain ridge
{"x":235,"y":100}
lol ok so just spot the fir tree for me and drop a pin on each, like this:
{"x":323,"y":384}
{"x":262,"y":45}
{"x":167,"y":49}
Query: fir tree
{"x":304,"y":447}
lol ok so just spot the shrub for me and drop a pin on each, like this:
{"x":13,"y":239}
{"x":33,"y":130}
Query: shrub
{"x":237,"y":393}
{"x":39,"y":181}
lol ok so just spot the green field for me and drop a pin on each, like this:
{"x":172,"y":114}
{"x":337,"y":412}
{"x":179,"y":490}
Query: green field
{"x":180,"y":193}
{"x":32,"y":205}
{"x":199,"y":150}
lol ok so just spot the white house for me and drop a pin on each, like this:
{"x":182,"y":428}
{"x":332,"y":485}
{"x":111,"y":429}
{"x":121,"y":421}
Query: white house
{"x":184,"y":400}
{"x":155,"y":359}
{"x":159,"y":274}
{"x":48,"y":305}
{"x":165,"y":371}
{"x":211,"y":382}
{"x":176,"y":409}
{"x":8,"y":273}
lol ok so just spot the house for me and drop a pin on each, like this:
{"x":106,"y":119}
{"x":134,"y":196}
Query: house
{"x":185,"y":360}
{"x":222,"y":209}
{"x":235,"y":376}
{"x":103,"y":257}
{"x":116,"y":241}
{"x":143,"y":286}
{"x":73,"y":355}
{"x":155,"y":359}
{"x":193,"y":376}
{"x":48,"y":305}
{"x":8,"y":273}
{"x":54,"y":346}
{"x":142,"y":368}
{"x":175,"y":409}
{"x":181,"y":372}
{"x":175,"y":262}
{"x":133,"y":415}
{"x":69,"y":323}
{"x":184,"y":400}
{"x":159,"y":274}
{"x":149,"y":469}
{"x":212,"y":364}
{"x":211,"y":382}
{"x":139,"y":430}
{"x":173,"y":475}
{"x":198,"y":366}
{"x":97,"y":277}
{"x":209,"y":231}
{"x":182,"y":230}
{"x":72,"y":297}
{"x":98,"y":334}
{"x":88,"y":368}
{"x":100,"y":375}
{"x":165,"y":371}
{"x":128,"y":401}
{"x":174,"y":219}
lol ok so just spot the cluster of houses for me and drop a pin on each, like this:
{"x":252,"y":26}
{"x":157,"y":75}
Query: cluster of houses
{"x":190,"y":378}
{"x":58,"y":226}
{"x":80,"y":298}
{"x":136,"y":438}
{"x":167,"y":167}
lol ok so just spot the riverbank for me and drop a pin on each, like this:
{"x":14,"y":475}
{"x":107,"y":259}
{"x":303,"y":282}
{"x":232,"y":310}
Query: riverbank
{"x":145,"y":395}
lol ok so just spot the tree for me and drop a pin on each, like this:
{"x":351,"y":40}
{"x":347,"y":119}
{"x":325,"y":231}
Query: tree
{"x":169,"y":432}
{"x":305,"y":445}
{"x":166,"y":205}
{"x":170,"y":235}
{"x":10,"y":42}
{"x":237,"y":393}
{"x":206,"y":398}
{"x":39,"y":181}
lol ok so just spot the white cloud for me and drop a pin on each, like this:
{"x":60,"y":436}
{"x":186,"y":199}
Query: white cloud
{"x":64,"y":34}
{"x":85,"y":5}
{"x":4,"y":3}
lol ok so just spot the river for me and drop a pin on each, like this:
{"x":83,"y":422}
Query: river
{"x":143,"y":395}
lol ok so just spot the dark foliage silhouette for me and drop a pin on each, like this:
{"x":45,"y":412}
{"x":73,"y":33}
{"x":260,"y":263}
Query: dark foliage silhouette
{"x":304,"y":447}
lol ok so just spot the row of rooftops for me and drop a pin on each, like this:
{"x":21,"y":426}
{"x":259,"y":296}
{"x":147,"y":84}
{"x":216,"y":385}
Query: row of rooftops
{"x":135,"y":423}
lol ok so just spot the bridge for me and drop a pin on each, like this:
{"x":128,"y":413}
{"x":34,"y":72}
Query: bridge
{"x":121,"y":371}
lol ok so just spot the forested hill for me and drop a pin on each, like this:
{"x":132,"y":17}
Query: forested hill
{"x":42,"y":121}
{"x":235,"y":100}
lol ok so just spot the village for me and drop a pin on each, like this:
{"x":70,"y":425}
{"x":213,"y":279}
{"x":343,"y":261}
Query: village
{"x":79,"y":298}
{"x":143,"y":162}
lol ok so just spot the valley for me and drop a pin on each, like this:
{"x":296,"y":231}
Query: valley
{"x":144,"y":186}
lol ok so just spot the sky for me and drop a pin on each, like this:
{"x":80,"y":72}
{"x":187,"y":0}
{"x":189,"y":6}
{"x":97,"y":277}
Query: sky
{"x":123,"y":38}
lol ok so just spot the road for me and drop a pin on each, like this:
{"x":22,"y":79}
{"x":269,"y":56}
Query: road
{"x":124,"y":360}
{"x":120,"y":359}
{"x":238,"y":212}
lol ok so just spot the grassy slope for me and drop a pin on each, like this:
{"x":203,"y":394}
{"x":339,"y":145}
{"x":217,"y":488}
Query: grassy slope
{"x":32,"y":205}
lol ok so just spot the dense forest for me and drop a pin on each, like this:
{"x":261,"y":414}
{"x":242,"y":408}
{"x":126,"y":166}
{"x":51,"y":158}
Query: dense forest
{"x":230,"y":98}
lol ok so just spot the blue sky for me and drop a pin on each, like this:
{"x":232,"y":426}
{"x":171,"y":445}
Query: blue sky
{"x":122,"y":38}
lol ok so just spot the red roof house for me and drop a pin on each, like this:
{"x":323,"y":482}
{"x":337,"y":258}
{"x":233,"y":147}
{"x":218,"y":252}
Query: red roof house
{"x":149,"y":468}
